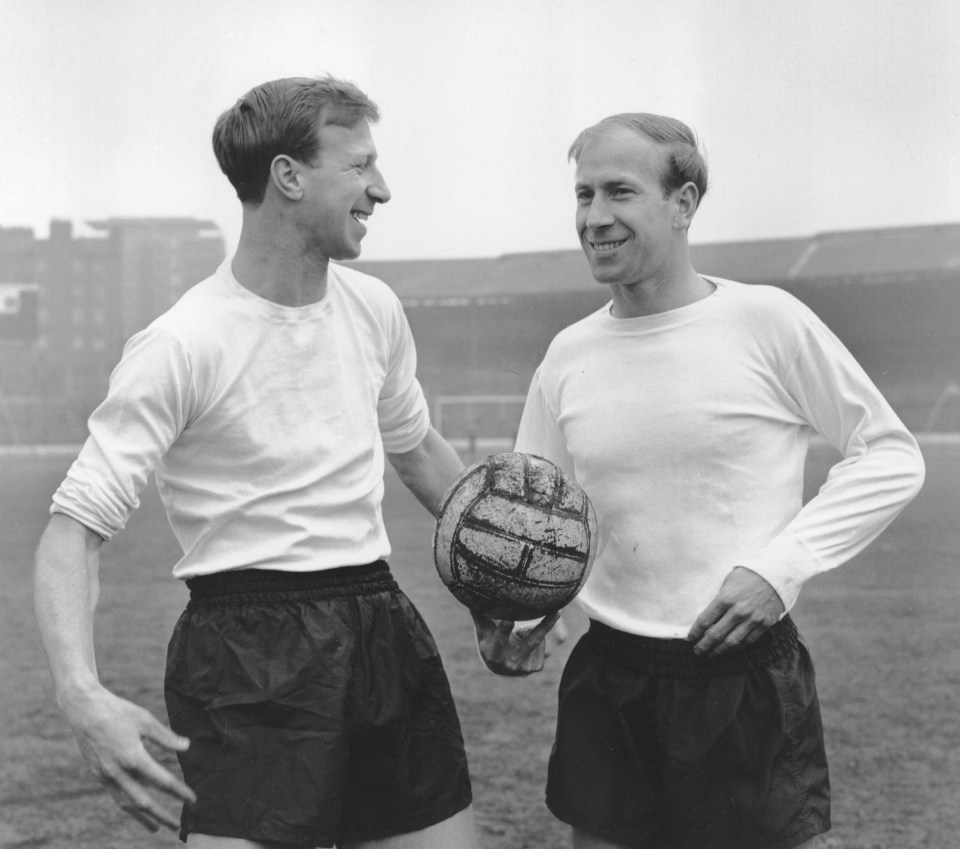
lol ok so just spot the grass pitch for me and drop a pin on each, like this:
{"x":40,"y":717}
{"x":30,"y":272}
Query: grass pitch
{"x":882,"y":630}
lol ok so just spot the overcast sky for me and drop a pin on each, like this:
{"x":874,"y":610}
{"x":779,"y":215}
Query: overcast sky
{"x":815,"y":114}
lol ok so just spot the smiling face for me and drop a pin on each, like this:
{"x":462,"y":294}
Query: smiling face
{"x":340,"y":192}
{"x":627,"y":228}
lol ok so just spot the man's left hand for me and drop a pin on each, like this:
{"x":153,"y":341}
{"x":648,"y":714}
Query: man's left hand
{"x":506,"y":651}
{"x":743,"y":611}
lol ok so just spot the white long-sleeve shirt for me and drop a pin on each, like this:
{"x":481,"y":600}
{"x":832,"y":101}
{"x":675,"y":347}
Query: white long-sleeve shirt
{"x":266,"y":426}
{"x":689,"y":431}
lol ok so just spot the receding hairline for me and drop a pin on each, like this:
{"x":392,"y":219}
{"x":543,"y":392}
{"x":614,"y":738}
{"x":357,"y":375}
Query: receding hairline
{"x":660,"y":149}
{"x":676,"y":145}
{"x":612,"y":126}
{"x":610,"y":132}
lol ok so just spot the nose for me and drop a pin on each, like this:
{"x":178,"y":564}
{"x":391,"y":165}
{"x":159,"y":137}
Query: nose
{"x":598,"y":214}
{"x":378,"y":187}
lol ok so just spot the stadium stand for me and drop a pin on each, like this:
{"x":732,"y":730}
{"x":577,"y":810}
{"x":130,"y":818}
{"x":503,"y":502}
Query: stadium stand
{"x":892,"y":295}
{"x":482,"y":325}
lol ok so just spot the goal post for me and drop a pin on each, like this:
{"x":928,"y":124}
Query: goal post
{"x":475,"y":418}
{"x":945,"y":413}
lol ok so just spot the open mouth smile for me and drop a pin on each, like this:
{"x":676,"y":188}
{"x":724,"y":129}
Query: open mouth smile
{"x":603,"y":247}
{"x":359,"y":216}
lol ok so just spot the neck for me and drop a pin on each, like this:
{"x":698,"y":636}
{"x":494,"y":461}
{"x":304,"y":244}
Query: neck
{"x":659,"y":294}
{"x":273,"y":264}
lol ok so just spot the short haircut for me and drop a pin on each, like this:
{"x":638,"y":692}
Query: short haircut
{"x":283,"y":117}
{"x":683,"y":161}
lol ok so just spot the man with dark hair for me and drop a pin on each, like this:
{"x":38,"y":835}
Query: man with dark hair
{"x":307,"y":700}
{"x":688,"y":713}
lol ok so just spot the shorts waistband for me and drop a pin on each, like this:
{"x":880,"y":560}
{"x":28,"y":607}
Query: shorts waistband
{"x":253,"y":585}
{"x":675,"y":658}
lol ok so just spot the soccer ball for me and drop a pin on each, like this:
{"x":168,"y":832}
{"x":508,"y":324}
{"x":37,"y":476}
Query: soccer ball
{"x":515,"y":538}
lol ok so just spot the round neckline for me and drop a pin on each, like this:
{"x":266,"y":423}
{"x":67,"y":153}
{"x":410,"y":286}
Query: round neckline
{"x":668,"y":319}
{"x":273,"y":311}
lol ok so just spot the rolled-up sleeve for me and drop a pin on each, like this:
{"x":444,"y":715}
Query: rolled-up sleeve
{"x":147,"y":406}
{"x":402,"y":410}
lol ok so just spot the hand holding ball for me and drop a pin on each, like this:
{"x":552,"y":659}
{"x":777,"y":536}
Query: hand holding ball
{"x":515,"y":537}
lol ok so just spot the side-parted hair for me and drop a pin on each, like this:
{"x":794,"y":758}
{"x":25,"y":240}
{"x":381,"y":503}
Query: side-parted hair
{"x":283,"y":117}
{"x":683,"y":161}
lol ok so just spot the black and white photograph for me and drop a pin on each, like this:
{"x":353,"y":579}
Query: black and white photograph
{"x":461,"y":424}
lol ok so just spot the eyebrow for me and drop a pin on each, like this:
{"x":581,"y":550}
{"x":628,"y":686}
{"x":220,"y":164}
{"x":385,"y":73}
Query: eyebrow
{"x":606,"y":184}
{"x":359,"y":155}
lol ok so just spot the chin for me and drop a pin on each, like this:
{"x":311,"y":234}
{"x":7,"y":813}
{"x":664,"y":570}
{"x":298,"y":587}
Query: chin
{"x":604,"y":274}
{"x":347,"y":253}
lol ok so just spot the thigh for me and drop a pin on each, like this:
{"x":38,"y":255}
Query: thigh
{"x":261,"y":692}
{"x":407,"y":769}
{"x":209,"y":841}
{"x":746,"y":765}
{"x":582,"y":840}
{"x":812,"y":843}
{"x":315,"y":720}
{"x":456,"y":832}
{"x":603,"y":771}
{"x":686,"y":755}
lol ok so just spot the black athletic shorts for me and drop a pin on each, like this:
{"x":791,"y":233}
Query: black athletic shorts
{"x":661,"y":749}
{"x":316,"y":706}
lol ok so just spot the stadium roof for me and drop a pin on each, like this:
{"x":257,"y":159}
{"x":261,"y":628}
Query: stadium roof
{"x":882,"y":252}
{"x":191,"y":225}
{"x":900,"y":251}
{"x":512,"y":274}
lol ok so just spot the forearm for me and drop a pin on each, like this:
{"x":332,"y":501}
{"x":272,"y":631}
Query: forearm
{"x":66,"y":590}
{"x":881,"y":468}
{"x":429,"y":469}
{"x":861,"y":497}
{"x":109,"y":730}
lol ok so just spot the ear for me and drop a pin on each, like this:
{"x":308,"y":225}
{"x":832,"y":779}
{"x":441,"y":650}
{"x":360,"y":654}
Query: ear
{"x":687,"y":199}
{"x":285,"y":176}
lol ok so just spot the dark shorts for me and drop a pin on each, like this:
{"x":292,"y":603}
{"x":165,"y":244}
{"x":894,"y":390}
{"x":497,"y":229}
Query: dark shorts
{"x":317,"y":709}
{"x":660,"y":749}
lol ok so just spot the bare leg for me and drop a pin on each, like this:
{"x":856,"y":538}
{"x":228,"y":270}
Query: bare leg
{"x":455,"y":833}
{"x":458,"y":832}
{"x":812,"y":843}
{"x":582,"y":840}
{"x":209,"y":841}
